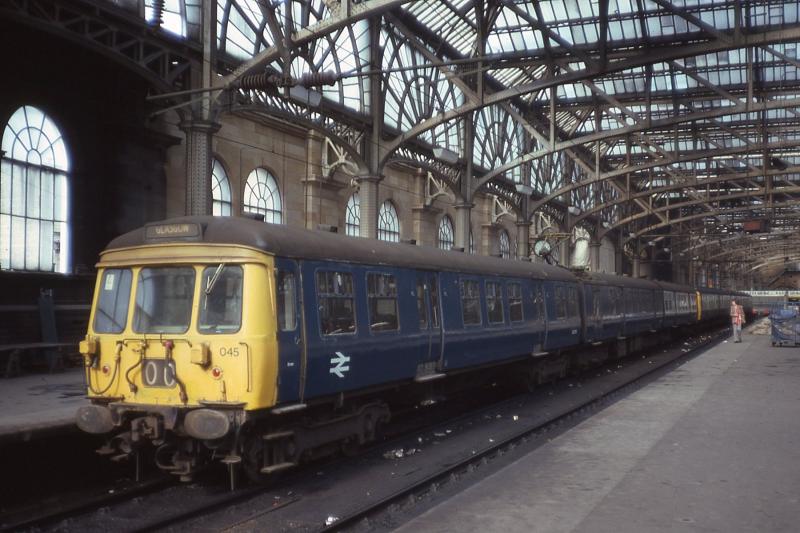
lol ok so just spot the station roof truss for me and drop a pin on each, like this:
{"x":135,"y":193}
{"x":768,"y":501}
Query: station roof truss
{"x":632,"y":118}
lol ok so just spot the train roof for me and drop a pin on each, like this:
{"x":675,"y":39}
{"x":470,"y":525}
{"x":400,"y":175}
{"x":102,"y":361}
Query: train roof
{"x":299,"y":243}
{"x":602,"y":278}
{"x":669,"y":286}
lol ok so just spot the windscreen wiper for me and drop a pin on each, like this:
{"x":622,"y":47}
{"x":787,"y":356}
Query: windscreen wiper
{"x":213,"y":280}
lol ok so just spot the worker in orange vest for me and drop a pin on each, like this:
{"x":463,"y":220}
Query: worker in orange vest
{"x":737,"y":319}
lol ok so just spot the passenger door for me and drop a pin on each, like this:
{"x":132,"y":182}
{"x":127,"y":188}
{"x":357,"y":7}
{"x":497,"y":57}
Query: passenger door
{"x":291,"y":342}
{"x":432,"y":298}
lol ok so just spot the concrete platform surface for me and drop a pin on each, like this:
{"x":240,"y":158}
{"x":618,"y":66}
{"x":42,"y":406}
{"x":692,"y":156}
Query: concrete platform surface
{"x":713,"y":446}
{"x":40,"y":404}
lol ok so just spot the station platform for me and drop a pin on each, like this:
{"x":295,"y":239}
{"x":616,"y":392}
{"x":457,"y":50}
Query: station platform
{"x":39,"y":405}
{"x":712,"y":446}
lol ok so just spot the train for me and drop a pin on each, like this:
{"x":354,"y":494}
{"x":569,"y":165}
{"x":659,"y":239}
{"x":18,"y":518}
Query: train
{"x":230,"y":339}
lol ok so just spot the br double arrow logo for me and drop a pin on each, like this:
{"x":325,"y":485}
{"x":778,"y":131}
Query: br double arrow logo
{"x":339,"y":364}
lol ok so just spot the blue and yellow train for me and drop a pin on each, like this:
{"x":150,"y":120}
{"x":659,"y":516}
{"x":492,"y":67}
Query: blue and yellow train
{"x":222,"y":337}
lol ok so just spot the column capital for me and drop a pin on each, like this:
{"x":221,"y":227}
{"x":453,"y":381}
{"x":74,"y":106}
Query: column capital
{"x":368,"y":178}
{"x":464,"y":205}
{"x":200,"y":125}
{"x":315,"y":135}
{"x":523,"y":223}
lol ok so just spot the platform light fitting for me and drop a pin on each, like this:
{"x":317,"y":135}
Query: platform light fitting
{"x":573,"y":210}
{"x":304,"y":96}
{"x":523,"y":189}
{"x":606,"y":224}
{"x":448,"y":156}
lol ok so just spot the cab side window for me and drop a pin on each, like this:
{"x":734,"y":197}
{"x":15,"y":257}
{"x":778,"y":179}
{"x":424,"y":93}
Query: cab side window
{"x":287,"y":298}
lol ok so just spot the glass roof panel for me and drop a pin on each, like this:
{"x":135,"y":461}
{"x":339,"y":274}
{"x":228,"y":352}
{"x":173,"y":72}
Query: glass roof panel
{"x":452,"y":21}
{"x":510,"y":33}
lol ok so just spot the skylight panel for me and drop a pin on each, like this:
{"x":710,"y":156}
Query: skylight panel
{"x":446,"y":22}
{"x":622,"y":7}
{"x":511,"y":34}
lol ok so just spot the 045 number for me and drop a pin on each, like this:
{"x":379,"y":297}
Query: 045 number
{"x":229,"y":352}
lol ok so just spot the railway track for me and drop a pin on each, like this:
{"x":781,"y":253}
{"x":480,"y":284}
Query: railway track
{"x":367,"y":516}
{"x":21,"y":520}
{"x":294,"y":500}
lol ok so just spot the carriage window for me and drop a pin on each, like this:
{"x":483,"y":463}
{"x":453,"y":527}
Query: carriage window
{"x":596,"y":311}
{"x":572,"y":301}
{"x":536,"y":297}
{"x":221,"y":299}
{"x":494,"y":302}
{"x":515,"y":302}
{"x":561,"y":303}
{"x":111,"y":311}
{"x":470,"y":302}
{"x":422,"y":304}
{"x":287,"y":298}
{"x":336,"y":306}
{"x":164,"y":300}
{"x":608,"y":305}
{"x":382,"y":294}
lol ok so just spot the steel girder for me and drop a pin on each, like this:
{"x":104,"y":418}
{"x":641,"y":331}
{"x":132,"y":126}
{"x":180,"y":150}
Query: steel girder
{"x":162,"y":60}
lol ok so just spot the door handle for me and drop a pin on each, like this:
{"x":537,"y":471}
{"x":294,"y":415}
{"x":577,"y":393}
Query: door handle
{"x":297,"y":340}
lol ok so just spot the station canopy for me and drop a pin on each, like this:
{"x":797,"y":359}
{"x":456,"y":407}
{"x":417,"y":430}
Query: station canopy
{"x":659,"y":123}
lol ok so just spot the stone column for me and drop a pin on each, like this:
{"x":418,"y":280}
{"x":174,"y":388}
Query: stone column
{"x":566,"y":252}
{"x":523,"y":239}
{"x":368,"y":198}
{"x":636,"y":266}
{"x":199,"y":136}
{"x":463,"y":225}
{"x":488,"y":240}
{"x":594,"y":256}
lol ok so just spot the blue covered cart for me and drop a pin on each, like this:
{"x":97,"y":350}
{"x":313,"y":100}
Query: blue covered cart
{"x":785,"y":327}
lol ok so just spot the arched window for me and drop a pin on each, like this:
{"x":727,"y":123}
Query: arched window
{"x":445,"y":240}
{"x":388,"y":223}
{"x":352,"y":216}
{"x":261,"y":195}
{"x":505,"y":245}
{"x":220,"y":190}
{"x":471,"y":242}
{"x":34,"y":199}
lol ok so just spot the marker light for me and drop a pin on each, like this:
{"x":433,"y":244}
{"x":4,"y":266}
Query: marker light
{"x":106,"y":369}
{"x":216,"y":372}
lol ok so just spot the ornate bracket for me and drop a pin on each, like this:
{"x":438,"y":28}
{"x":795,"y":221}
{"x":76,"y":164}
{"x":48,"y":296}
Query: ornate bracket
{"x":336,"y":158}
{"x":434,"y":188}
{"x":500,"y":208}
